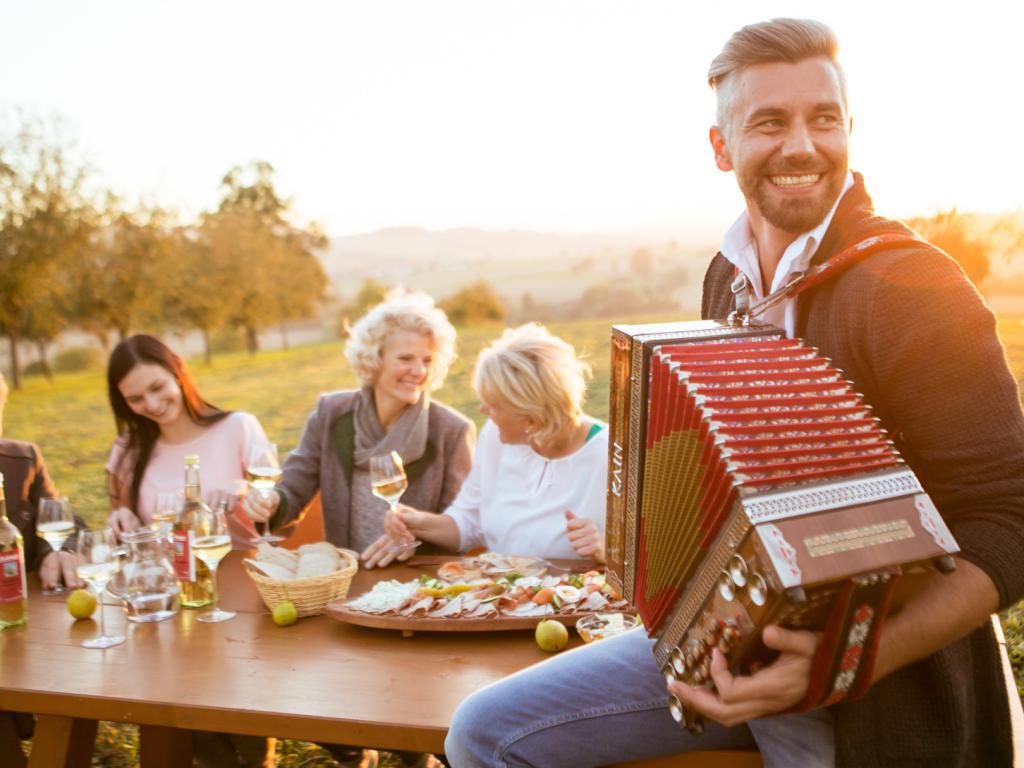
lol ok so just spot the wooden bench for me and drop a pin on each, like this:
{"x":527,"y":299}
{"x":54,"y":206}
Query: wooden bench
{"x":712,"y":758}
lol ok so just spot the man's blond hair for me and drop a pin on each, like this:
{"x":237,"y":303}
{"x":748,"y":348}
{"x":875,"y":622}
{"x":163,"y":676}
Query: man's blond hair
{"x":777,"y":41}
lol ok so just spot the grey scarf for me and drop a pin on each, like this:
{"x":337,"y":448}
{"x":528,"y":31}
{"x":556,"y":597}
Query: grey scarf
{"x":408,"y":436}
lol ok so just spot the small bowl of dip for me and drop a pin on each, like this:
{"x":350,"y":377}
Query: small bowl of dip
{"x":597,"y":626}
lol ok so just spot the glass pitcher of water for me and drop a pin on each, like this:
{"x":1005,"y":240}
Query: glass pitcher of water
{"x":147,"y":583}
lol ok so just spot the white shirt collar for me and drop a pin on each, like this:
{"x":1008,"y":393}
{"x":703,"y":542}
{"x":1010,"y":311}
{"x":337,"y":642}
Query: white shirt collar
{"x":739,"y":248}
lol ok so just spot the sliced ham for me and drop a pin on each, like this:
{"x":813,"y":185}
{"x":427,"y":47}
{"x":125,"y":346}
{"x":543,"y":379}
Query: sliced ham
{"x":449,"y":609}
{"x":418,"y":609}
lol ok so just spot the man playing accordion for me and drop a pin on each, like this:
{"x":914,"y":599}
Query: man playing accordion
{"x":910,"y":330}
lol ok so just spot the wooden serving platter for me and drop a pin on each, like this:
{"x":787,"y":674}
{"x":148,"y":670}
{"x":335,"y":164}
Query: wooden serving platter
{"x":406,"y":624}
{"x":364,"y":580}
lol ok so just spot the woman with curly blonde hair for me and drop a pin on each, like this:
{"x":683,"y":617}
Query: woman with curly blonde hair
{"x":537,"y":486}
{"x":400,"y":350}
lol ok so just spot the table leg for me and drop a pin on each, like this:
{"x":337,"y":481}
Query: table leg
{"x":163,"y":747}
{"x":62,"y":741}
{"x":10,"y":743}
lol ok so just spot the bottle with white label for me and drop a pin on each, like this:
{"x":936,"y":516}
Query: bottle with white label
{"x":193,"y":574}
{"x":13,"y":587}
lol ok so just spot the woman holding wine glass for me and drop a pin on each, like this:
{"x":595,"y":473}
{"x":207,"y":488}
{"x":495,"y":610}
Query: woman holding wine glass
{"x":537,"y":486}
{"x":27,"y":486}
{"x":161,"y":418}
{"x":400,"y":350}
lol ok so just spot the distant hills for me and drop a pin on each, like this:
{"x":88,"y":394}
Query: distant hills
{"x":549,"y":266}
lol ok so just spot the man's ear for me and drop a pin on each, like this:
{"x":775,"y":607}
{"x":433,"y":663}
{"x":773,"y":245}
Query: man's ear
{"x":718,"y":145}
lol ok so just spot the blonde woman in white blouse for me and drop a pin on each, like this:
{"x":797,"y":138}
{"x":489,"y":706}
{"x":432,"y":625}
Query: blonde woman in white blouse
{"x":537,"y":483}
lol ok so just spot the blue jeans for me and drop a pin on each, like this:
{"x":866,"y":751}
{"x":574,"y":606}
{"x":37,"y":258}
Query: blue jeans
{"x":606,"y":703}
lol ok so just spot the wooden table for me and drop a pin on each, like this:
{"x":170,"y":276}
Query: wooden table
{"x":318,"y":680}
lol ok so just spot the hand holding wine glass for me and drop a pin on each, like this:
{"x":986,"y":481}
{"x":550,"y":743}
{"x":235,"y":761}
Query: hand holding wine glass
{"x":388,"y":482}
{"x":264,"y":473}
{"x":211,"y":542}
{"x":54,"y":523}
{"x":98,"y":561}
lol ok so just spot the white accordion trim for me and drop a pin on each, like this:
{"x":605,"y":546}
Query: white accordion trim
{"x":808,"y":499}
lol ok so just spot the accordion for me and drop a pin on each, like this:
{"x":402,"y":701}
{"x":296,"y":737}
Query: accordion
{"x":749,"y":484}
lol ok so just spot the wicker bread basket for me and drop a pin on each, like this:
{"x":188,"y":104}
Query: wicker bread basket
{"x":310,"y":595}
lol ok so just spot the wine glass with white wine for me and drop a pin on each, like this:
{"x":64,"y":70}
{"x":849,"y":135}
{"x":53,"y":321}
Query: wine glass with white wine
{"x":54,"y":523}
{"x":388,"y":482}
{"x":167,"y":506}
{"x":263,"y":473}
{"x":98,"y":560}
{"x":211,"y":542}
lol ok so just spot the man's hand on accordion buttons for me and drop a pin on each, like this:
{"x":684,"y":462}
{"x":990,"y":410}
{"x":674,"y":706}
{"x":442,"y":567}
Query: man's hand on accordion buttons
{"x":771,"y":690}
{"x":585,"y":536}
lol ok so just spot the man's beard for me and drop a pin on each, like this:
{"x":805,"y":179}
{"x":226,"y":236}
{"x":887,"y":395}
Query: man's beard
{"x":792,"y":214}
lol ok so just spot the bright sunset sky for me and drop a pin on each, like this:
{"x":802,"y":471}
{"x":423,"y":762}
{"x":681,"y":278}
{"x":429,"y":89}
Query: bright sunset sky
{"x":575,"y":116}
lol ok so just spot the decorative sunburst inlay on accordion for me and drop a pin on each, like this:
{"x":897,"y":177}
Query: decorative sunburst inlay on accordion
{"x":750,"y":484}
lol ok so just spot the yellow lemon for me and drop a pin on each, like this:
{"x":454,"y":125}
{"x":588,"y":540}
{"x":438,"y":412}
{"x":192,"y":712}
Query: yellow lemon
{"x":81,"y":603}
{"x":551,"y":635}
{"x":285,"y":613}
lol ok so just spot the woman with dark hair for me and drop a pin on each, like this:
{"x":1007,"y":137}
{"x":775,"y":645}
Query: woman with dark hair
{"x":161,"y":418}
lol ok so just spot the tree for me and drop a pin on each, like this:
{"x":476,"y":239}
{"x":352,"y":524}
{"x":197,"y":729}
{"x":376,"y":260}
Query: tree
{"x":956,"y":234}
{"x":200,"y":290}
{"x":475,"y":303}
{"x":297,"y":279}
{"x":44,"y":226}
{"x":119,"y":286}
{"x":278,"y":276}
{"x":370,"y":294}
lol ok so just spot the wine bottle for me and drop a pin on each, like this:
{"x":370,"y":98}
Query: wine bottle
{"x":193,"y":574}
{"x":13,"y":587}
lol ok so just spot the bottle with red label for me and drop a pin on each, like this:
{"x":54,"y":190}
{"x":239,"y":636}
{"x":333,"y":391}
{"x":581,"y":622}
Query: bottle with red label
{"x":13,"y":589}
{"x":193,"y":575}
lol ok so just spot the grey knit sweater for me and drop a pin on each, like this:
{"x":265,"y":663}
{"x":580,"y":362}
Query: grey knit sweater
{"x":908,"y":328}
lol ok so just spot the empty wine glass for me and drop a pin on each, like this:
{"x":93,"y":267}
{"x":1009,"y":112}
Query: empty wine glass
{"x":98,"y":560}
{"x":211,"y":542}
{"x":264,"y":473}
{"x":388,"y":482}
{"x":54,"y":523}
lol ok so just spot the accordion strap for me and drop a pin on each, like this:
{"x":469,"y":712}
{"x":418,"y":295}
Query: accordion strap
{"x":816,"y":275}
{"x":844,"y":661}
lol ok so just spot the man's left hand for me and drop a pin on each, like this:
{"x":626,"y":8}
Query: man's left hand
{"x":58,"y":566}
{"x":769,"y":691}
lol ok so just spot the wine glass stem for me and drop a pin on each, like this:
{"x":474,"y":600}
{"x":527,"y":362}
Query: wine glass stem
{"x":103,"y":614}
{"x":213,"y":586}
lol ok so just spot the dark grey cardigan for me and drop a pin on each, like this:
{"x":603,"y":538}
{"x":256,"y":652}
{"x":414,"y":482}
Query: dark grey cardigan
{"x":908,"y":328}
{"x":323,"y":462}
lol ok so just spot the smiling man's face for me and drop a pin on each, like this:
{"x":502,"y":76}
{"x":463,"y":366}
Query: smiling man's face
{"x":787,"y":139}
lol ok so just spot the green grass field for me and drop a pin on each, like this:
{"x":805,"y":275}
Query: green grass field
{"x":71,"y":420}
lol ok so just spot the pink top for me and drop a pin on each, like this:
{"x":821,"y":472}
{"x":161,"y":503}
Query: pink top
{"x":223,"y":451}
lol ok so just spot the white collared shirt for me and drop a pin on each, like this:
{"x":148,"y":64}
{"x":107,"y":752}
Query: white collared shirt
{"x":514,"y":500}
{"x":739,"y":247}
